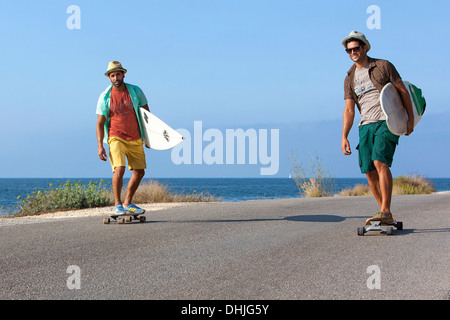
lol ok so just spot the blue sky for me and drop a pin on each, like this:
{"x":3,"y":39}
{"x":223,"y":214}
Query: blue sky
{"x":230,"y":64}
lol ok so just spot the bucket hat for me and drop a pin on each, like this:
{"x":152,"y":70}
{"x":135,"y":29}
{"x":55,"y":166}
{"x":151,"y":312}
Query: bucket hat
{"x":356,"y":35}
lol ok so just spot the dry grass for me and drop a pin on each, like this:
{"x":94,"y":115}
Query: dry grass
{"x":401,"y":185}
{"x":315,"y":187}
{"x":412,"y":185}
{"x":358,"y":190}
{"x":155,"y":192}
{"x":315,"y":182}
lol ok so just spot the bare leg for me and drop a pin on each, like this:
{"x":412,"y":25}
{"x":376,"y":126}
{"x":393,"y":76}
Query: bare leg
{"x":374,"y":184}
{"x":133,"y":185}
{"x":385,"y":181}
{"x":118,"y":183}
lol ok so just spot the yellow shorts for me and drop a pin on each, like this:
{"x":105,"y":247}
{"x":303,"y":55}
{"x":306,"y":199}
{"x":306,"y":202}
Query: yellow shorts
{"x":120,"y":149}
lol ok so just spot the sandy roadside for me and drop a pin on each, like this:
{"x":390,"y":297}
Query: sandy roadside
{"x":103,"y":211}
{"x":443,"y":192}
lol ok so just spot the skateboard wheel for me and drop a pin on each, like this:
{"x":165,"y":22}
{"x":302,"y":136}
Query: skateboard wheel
{"x":142,"y":219}
{"x":121,"y":220}
{"x":106,"y":221}
{"x":390,"y":231}
{"x":361,"y":231}
{"x":128,"y":219}
{"x":399,"y":225}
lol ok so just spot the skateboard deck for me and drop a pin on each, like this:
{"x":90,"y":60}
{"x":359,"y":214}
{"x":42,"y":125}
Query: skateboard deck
{"x":126,"y":217}
{"x":377,"y":226}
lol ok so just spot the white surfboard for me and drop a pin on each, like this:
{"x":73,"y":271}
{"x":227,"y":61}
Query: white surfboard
{"x":158,"y":135}
{"x":392,"y":106}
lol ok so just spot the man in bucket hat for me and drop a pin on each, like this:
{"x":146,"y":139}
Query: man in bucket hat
{"x":363,"y":84}
{"x":119,"y":125}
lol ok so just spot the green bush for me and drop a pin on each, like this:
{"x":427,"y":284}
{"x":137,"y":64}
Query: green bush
{"x":69,"y":195}
{"x":75,"y":195}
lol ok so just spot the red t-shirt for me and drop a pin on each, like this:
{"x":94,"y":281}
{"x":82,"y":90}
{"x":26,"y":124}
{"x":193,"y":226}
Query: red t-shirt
{"x":123,"y":121}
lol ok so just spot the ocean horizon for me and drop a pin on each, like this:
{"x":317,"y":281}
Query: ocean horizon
{"x":227,"y":189}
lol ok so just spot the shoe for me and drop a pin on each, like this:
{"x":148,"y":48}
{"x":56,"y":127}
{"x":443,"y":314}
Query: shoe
{"x":131,"y":208}
{"x":376,"y":217}
{"x":387,"y":218}
{"x":118,"y":210}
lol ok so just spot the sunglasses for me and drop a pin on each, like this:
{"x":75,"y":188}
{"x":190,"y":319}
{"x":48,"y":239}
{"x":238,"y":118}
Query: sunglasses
{"x":356,"y":49}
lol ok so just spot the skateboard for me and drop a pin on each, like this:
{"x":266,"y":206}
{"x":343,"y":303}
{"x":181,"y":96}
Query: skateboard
{"x":126,"y":217}
{"x":377,"y":226}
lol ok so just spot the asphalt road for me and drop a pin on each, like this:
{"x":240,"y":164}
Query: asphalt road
{"x":265,"y":249}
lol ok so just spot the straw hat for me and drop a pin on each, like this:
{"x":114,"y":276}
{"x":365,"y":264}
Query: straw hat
{"x":114,"y":66}
{"x":356,"y":35}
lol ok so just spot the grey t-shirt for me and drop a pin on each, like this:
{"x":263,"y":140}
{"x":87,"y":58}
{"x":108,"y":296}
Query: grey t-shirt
{"x":368,"y":97}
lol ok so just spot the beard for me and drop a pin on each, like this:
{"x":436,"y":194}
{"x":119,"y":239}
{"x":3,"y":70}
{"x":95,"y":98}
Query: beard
{"x":118,"y":83}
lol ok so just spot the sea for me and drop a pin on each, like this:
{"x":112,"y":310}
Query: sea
{"x":227,"y":189}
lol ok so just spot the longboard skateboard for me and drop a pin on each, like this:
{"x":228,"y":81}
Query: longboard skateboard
{"x":126,"y":217}
{"x":377,"y":226}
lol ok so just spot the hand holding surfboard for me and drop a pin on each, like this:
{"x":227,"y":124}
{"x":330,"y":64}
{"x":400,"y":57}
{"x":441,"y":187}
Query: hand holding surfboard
{"x":393,"y":108}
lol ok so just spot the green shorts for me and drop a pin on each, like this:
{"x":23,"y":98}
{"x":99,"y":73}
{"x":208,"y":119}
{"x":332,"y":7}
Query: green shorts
{"x":376,"y":142}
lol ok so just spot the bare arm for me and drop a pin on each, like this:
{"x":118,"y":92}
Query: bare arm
{"x":408,"y":106}
{"x":349,"y":116}
{"x":100,"y":135}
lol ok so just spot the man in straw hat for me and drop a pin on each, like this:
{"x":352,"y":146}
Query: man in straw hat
{"x":119,"y":125}
{"x":363,"y":84}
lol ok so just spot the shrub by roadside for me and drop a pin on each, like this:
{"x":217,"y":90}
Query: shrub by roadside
{"x":75,"y":195}
{"x":402,"y":185}
{"x":315,"y":182}
{"x":412,"y":185}
{"x":358,"y":190}
{"x":69,"y":195}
